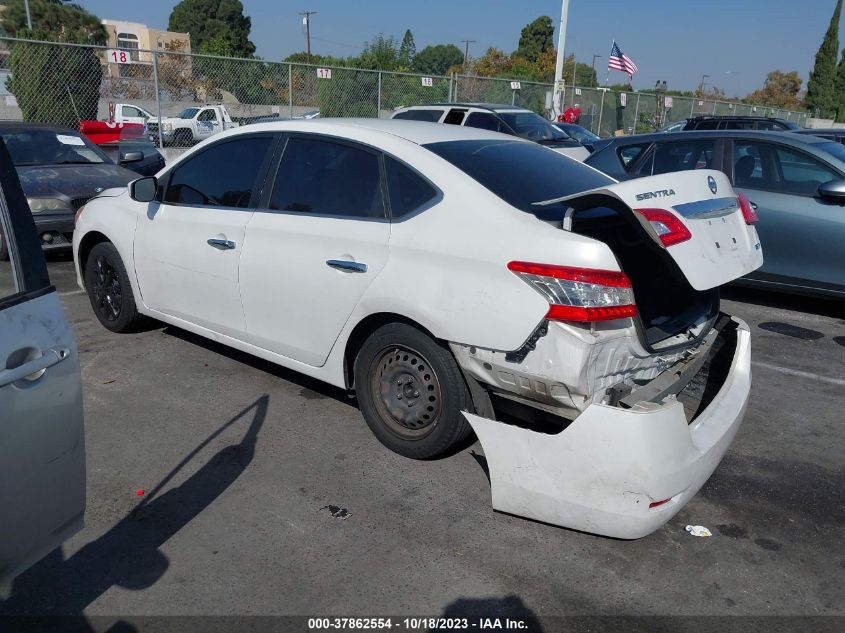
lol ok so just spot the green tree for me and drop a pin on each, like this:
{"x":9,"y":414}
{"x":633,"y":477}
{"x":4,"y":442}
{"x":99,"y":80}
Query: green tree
{"x":821,"y":88}
{"x":840,"y":89}
{"x":407,"y":51}
{"x":54,"y":84}
{"x":214,"y":22}
{"x":436,"y":60}
{"x":381,"y":53}
{"x":780,"y":90}
{"x":536,"y":38}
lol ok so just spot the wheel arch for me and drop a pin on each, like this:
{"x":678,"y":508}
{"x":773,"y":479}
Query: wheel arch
{"x":86,"y":244}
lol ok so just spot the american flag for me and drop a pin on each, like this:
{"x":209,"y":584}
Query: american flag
{"x":620,"y":61}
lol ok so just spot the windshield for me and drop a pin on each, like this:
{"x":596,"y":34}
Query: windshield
{"x":187,"y":113}
{"x":521,"y":173}
{"x":532,"y":126}
{"x":48,"y":147}
{"x":837,"y":150}
{"x":582,"y":134}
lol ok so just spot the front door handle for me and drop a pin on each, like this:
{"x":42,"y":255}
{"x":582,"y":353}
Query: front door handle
{"x":342,"y":264}
{"x":223,"y":245}
{"x":47,"y":359}
{"x":753,"y":205}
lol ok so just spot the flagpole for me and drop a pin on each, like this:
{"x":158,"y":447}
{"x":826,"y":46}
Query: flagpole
{"x":607,"y":75}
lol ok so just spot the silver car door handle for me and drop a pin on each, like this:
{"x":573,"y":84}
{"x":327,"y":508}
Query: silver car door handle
{"x":223,"y":245}
{"x":47,"y":359}
{"x":754,"y":205}
{"x":342,"y":264}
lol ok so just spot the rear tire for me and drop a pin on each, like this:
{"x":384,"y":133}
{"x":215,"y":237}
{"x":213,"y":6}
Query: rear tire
{"x":411,"y":392}
{"x":109,"y":289}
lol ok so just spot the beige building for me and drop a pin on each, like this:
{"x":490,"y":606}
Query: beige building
{"x":138,"y":39}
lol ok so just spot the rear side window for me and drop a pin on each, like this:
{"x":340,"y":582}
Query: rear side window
{"x":682,"y":156}
{"x":223,"y":175}
{"x":408,"y":191}
{"x":520,"y":173}
{"x":484,"y":121}
{"x":328,"y":178}
{"x":707,"y":124}
{"x":740,"y":125}
{"x":431,"y":116}
{"x":455,"y":117}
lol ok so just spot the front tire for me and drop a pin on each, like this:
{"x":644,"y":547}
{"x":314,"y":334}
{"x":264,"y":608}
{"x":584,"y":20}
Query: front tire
{"x":411,"y":392}
{"x":109,"y":289}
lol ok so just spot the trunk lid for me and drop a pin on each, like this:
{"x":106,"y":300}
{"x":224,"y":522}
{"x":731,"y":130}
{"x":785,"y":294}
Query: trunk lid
{"x":721,"y":246}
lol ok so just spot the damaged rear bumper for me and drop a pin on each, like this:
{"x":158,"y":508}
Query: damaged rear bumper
{"x":603,"y":471}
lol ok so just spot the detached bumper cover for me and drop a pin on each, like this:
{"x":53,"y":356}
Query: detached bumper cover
{"x":601,"y":473}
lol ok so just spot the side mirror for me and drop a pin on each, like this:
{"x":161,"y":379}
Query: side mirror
{"x":132,"y":157}
{"x":143,"y":189}
{"x":833,"y":190}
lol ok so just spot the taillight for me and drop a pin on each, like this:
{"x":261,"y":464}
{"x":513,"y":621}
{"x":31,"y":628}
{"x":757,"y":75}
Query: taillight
{"x":78,"y":213}
{"x":749,"y":215}
{"x":668,"y":228}
{"x":579,"y":294}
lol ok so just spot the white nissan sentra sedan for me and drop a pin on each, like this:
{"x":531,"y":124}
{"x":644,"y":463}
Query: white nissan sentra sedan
{"x":456,"y":280}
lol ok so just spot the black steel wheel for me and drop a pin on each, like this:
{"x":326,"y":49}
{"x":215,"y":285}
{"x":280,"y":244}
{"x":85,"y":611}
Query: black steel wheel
{"x":109,"y":289}
{"x":411,"y":392}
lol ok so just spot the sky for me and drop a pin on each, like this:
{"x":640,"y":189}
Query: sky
{"x":735,"y":42}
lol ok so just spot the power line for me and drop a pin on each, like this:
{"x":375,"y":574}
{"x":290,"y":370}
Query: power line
{"x":306,"y":20}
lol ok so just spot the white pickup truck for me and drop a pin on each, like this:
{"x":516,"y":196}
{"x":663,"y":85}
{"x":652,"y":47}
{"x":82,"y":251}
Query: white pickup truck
{"x":191,"y":125}
{"x":129,"y":113}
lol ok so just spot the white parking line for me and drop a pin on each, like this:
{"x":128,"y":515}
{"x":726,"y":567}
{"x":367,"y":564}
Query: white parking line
{"x":800,"y":374}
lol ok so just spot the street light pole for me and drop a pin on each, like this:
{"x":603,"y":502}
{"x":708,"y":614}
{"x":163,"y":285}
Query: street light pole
{"x":28,"y":16}
{"x":557,"y":100}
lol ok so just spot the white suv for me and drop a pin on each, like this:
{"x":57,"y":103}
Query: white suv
{"x":497,"y":118}
{"x":454,"y":278}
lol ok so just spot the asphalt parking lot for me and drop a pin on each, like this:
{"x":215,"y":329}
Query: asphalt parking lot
{"x":265,"y":493}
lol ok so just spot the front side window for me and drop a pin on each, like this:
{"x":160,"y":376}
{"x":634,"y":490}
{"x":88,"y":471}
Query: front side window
{"x":129,"y":111}
{"x":484,"y":121}
{"x":224,"y":175}
{"x":629,"y":153}
{"x":800,"y":173}
{"x":429,"y":116}
{"x":407,"y":190}
{"x":328,"y":178}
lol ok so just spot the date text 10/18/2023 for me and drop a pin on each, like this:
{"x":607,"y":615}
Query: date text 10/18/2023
{"x":417,"y":624}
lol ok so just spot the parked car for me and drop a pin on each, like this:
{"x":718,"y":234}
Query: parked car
{"x":42,"y":439}
{"x":59,"y":170}
{"x":507,"y":119}
{"x":708,"y":122}
{"x":836,"y":134}
{"x":795,"y":183}
{"x":580,"y":134}
{"x":191,"y":125}
{"x":125,"y":154}
{"x":449,"y":275}
{"x":311,"y":114}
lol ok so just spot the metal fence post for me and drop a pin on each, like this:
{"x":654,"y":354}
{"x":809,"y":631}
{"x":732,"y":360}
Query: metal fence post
{"x":455,"y":92}
{"x":715,"y":103}
{"x":692,"y":108}
{"x":290,"y":91}
{"x":158,"y":99}
{"x":601,"y":111}
{"x":378,"y":98}
{"x":451,"y":77}
{"x":636,"y":114}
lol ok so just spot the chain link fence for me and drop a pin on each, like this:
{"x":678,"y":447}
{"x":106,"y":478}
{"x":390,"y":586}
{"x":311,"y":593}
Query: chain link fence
{"x":67,"y":83}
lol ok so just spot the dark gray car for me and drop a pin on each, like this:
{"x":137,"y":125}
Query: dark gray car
{"x":796,"y":184}
{"x":59,"y":171}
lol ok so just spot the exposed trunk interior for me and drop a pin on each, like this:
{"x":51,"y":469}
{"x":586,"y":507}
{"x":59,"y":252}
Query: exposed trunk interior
{"x":667,"y":304}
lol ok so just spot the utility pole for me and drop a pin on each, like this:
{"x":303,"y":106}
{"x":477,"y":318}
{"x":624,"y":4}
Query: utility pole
{"x":28,"y":16}
{"x":557,"y":99}
{"x":595,"y":57}
{"x":466,"y":51}
{"x":306,"y":20}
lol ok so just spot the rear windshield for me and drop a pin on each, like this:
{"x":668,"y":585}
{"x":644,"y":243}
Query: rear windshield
{"x":532,"y":126}
{"x":521,"y":173}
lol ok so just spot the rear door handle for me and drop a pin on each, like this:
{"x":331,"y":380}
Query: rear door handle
{"x":47,"y":359}
{"x":223,"y":245}
{"x":342,"y":264}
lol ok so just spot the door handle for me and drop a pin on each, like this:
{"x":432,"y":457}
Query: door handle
{"x":753,"y":205}
{"x":47,"y":359}
{"x":223,"y":245}
{"x":351,"y":267}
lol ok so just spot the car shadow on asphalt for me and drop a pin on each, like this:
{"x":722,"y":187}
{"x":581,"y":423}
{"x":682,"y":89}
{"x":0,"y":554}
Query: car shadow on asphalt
{"x":128,"y":555}
{"x":312,"y":385}
{"x":483,"y":613}
{"x":796,"y":303}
